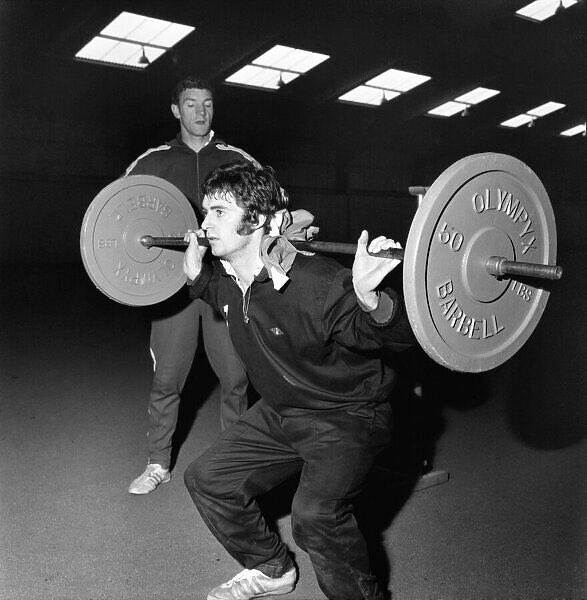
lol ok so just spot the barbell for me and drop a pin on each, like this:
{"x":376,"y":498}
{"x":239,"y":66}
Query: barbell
{"x":481,"y":247}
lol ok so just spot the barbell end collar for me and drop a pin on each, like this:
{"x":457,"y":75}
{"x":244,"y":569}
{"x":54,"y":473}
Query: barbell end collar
{"x":499,"y":266}
{"x":147,"y":241}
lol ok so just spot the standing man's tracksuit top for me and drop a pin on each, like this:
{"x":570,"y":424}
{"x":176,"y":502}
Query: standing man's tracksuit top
{"x":175,"y":324}
{"x":180,"y":165}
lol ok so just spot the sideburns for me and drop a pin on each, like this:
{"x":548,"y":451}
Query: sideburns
{"x":245,"y":228}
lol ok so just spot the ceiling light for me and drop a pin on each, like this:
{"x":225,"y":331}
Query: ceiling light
{"x":143,"y":60}
{"x":540,"y":10}
{"x":122,"y":42}
{"x":277,"y":67}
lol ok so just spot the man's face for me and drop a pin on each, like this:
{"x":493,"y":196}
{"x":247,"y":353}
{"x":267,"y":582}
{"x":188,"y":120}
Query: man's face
{"x":222,"y":223}
{"x":195,"y":111}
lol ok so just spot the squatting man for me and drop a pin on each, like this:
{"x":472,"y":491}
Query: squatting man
{"x":309,"y":332}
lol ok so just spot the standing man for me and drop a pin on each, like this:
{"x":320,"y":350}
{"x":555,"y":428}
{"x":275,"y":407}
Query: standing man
{"x":185,"y":162}
{"x":310,"y":333}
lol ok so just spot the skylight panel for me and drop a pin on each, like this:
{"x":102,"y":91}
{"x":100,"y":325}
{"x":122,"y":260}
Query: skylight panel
{"x":290,"y":59}
{"x":518,"y":121}
{"x":368,"y":95}
{"x":477,"y":95}
{"x":531,"y":115}
{"x":540,"y":10}
{"x":143,"y":29}
{"x":116,"y":53}
{"x":385,"y":86}
{"x":276,"y":67}
{"x":133,"y":41}
{"x":545,"y":109}
{"x":399,"y":81}
{"x":98,"y":47}
{"x":120,"y":52}
{"x":448,"y":109}
{"x":124,"y":23}
{"x":578,"y":129}
{"x":274,"y":56}
{"x":169,"y":36}
{"x":462,"y":103}
{"x":261,"y":77}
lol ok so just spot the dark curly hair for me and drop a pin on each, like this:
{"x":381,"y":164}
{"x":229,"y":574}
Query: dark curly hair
{"x":255,"y":189}
{"x":190,"y":83}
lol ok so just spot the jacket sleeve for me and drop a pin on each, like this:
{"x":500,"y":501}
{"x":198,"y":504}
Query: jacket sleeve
{"x":136,"y":168}
{"x":148,"y":163}
{"x":141,"y":166}
{"x":345,"y":322}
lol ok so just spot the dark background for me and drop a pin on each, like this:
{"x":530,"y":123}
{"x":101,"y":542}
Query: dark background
{"x":69,"y":128}
{"x":512,"y":439}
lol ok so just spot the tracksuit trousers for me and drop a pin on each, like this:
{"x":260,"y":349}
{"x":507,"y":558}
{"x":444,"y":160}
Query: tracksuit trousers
{"x":333,"y":450}
{"x":174,"y":340}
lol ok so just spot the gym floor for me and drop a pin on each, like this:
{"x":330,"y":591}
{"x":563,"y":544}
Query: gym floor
{"x":75,"y":371}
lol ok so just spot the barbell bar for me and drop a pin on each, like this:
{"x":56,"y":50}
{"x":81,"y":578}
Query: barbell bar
{"x":498,"y":266}
{"x":478,"y":253}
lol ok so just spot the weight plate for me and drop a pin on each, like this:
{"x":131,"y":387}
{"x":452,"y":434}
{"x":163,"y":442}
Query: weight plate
{"x":118,"y":264}
{"x":483,"y":205}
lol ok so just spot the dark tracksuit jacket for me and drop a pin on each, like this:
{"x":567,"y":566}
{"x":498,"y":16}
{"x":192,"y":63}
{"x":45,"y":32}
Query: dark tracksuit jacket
{"x":309,"y":344}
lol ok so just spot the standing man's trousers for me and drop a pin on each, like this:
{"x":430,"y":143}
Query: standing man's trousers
{"x":174,"y":340}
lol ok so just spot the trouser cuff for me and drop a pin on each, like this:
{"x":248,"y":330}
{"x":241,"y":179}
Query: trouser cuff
{"x":276,"y":568}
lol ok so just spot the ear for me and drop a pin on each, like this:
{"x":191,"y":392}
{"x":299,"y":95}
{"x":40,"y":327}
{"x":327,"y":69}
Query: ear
{"x":175,"y":111}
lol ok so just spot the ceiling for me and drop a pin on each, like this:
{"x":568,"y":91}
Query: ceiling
{"x":461,"y":44}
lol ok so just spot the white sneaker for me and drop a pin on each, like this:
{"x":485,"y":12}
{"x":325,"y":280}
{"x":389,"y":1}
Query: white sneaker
{"x":251,"y":583}
{"x":147,"y":482}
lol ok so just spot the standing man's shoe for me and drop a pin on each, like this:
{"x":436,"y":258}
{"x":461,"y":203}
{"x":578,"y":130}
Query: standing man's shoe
{"x":147,"y":482}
